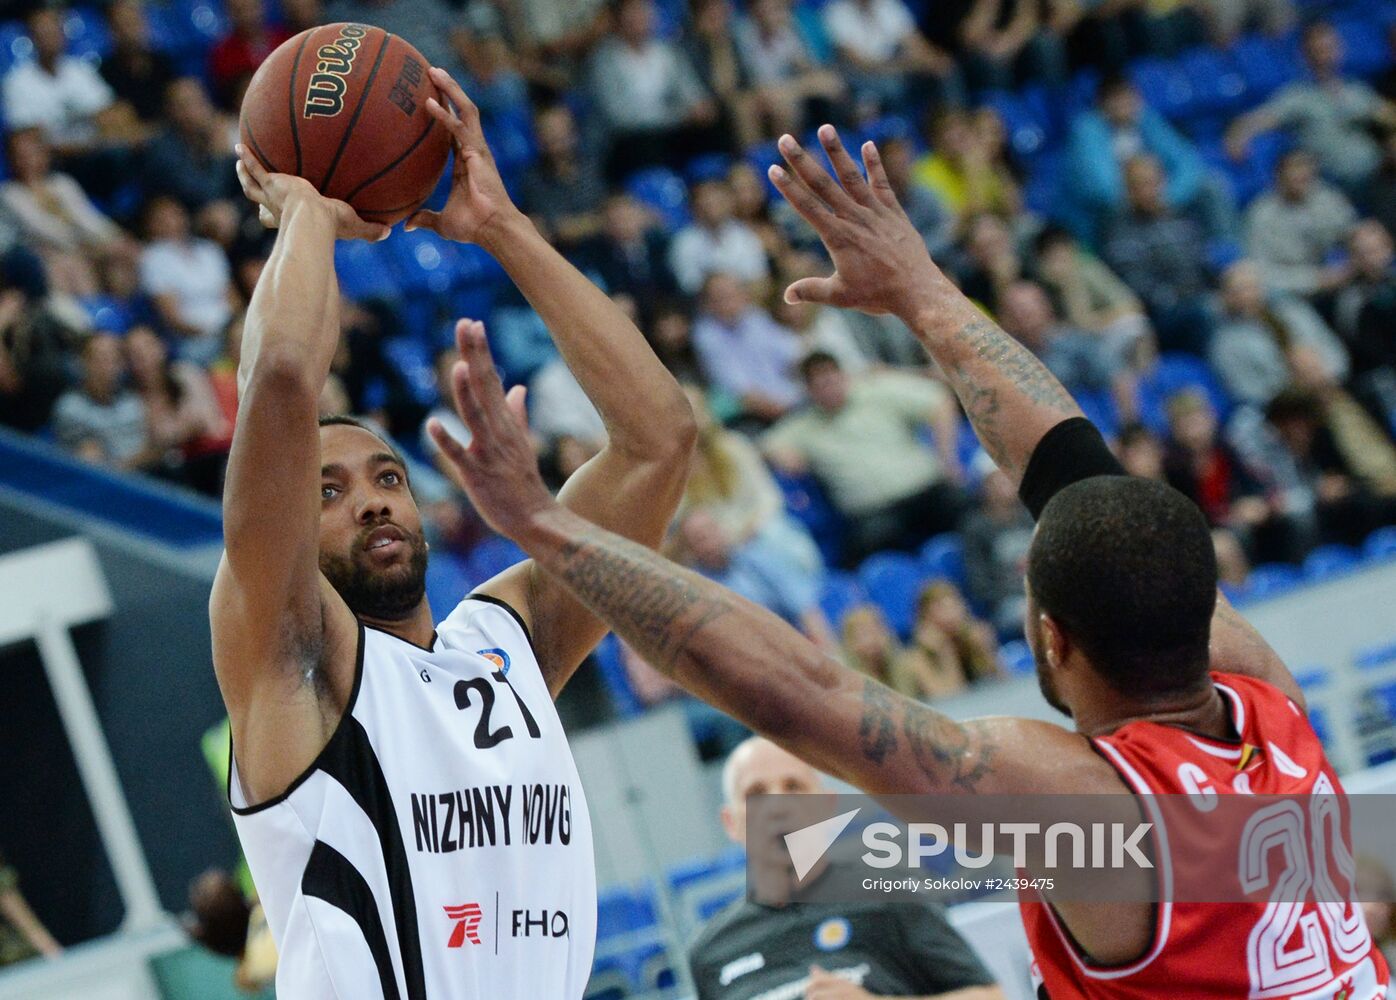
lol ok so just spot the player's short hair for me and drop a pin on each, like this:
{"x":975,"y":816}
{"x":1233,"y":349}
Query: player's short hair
{"x":1126,"y":567}
{"x":345,"y":420}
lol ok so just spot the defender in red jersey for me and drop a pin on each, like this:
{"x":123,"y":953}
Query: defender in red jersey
{"x":1168,"y":688}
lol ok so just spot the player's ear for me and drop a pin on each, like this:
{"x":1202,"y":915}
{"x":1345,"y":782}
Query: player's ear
{"x":1055,"y":642}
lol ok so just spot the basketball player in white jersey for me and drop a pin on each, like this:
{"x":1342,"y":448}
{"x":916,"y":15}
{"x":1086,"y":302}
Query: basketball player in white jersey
{"x":403,"y":790}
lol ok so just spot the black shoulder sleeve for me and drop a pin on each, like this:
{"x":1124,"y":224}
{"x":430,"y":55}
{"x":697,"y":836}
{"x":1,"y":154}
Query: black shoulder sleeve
{"x":1071,"y":451}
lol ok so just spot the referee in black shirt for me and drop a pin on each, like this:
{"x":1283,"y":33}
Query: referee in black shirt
{"x":821,"y":951}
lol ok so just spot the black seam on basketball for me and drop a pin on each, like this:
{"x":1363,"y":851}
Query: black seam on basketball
{"x":431,"y":124}
{"x":262,"y":157}
{"x":291,"y":97}
{"x":324,"y":184}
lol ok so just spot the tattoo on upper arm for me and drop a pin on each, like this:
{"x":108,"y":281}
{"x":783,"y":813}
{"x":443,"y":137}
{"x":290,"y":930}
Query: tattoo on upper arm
{"x":877,"y":733}
{"x":1015,"y":362}
{"x":948,"y":752}
{"x":643,"y":595}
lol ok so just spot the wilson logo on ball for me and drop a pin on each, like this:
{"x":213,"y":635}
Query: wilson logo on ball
{"x":324,"y":96}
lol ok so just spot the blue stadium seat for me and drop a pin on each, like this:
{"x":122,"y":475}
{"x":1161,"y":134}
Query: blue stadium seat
{"x":841,"y":591}
{"x":712,"y":906}
{"x":365,"y":270}
{"x":1267,"y":64}
{"x":491,"y":557}
{"x":1312,"y":678}
{"x":1380,"y":544}
{"x":86,"y":31}
{"x":1017,"y":658}
{"x":616,"y":680}
{"x":1165,"y":87}
{"x":707,"y":167}
{"x":664,"y":192}
{"x":806,"y":502}
{"x":15,"y":45}
{"x":1098,"y":406}
{"x":1027,"y":132}
{"x":893,"y":581}
{"x":412,"y":359}
{"x":1218,"y":85}
{"x":1365,"y":50}
{"x":698,"y":870}
{"x":1375,"y":657}
{"x":943,"y":557}
{"x":1171,"y":374}
{"x":624,"y":910}
{"x":106,"y":313}
{"x":1270,"y":579}
{"x":426,"y":263}
{"x":1318,"y":720}
{"x":1329,"y":560}
{"x":448,"y":580}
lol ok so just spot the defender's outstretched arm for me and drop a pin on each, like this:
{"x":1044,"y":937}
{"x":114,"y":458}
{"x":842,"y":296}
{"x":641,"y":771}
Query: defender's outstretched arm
{"x":634,"y":485}
{"x":735,"y":654}
{"x":1012,"y":400}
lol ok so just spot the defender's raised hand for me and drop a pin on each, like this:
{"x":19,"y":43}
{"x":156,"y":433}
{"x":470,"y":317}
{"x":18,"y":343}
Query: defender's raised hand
{"x":498,"y":467}
{"x":881,"y":264}
{"x":478,"y":202}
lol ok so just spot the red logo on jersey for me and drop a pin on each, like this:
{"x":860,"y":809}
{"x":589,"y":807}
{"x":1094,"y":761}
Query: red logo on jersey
{"x":1344,"y":989}
{"x":467,"y":918}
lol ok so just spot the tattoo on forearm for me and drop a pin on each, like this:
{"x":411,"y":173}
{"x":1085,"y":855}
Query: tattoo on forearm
{"x":948,"y":752}
{"x":650,"y":602}
{"x":1011,"y":360}
{"x":877,"y":733}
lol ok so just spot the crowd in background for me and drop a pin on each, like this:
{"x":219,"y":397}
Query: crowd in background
{"x":1218,"y":289}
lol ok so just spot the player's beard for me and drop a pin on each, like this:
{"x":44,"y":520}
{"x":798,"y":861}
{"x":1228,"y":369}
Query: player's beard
{"x":385,"y":594}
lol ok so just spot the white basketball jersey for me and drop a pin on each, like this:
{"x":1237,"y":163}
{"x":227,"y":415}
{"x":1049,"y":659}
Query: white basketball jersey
{"x":439,"y":847}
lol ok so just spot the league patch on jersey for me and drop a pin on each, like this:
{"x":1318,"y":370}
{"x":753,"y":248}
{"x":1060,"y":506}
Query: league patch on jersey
{"x":832,"y":934}
{"x":496,"y":656}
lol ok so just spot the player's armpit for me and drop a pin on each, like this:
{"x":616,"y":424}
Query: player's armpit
{"x":1237,"y":648}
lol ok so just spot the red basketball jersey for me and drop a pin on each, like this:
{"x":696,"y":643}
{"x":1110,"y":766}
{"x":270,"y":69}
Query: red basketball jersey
{"x":1280,"y":950}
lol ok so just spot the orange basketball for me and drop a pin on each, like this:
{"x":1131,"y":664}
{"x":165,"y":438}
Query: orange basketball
{"x":344,"y":106}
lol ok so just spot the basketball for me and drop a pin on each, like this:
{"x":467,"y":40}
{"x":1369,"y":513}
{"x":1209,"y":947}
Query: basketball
{"x":344,"y":106}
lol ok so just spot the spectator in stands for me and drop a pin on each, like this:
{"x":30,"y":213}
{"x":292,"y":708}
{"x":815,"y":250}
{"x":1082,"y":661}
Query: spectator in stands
{"x":1376,"y":891}
{"x":1160,"y":255}
{"x":33,"y":345}
{"x":22,"y":933}
{"x":182,"y":413}
{"x":1088,"y":295}
{"x":102,"y":421}
{"x":433,"y":26}
{"x":188,"y":279}
{"x":966,"y":167}
{"x":711,"y":49}
{"x":563,"y":191}
{"x":793,"y":90}
{"x":1140,"y":451}
{"x":715,"y":242}
{"x":991,"y":263}
{"x":1209,"y":472}
{"x":1120,"y":126}
{"x":236,"y":56}
{"x":871,"y":647}
{"x":565,"y":420}
{"x":301,"y":15}
{"x":1083,"y":362}
{"x":923,"y":207}
{"x":1227,"y":19}
{"x":903,"y":948}
{"x":820,"y":328}
{"x":55,"y":217}
{"x":861,"y":438}
{"x":494,"y":72}
{"x":64,"y":95}
{"x":1001,"y":43}
{"x":630,"y":253}
{"x":1366,"y":318}
{"x":758,"y":571}
{"x":1364,"y":446}
{"x":1315,"y":472}
{"x":1255,"y":337}
{"x":671,"y":336}
{"x":649,"y":96}
{"x":135,"y":71}
{"x":191,"y":158}
{"x":1294,"y":230}
{"x":730,"y":482}
{"x":752,"y":207}
{"x":996,"y":536}
{"x":1329,"y":115}
{"x":1380,"y":196}
{"x":962,"y":649}
{"x":744,"y":352}
{"x":886,"y":60}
